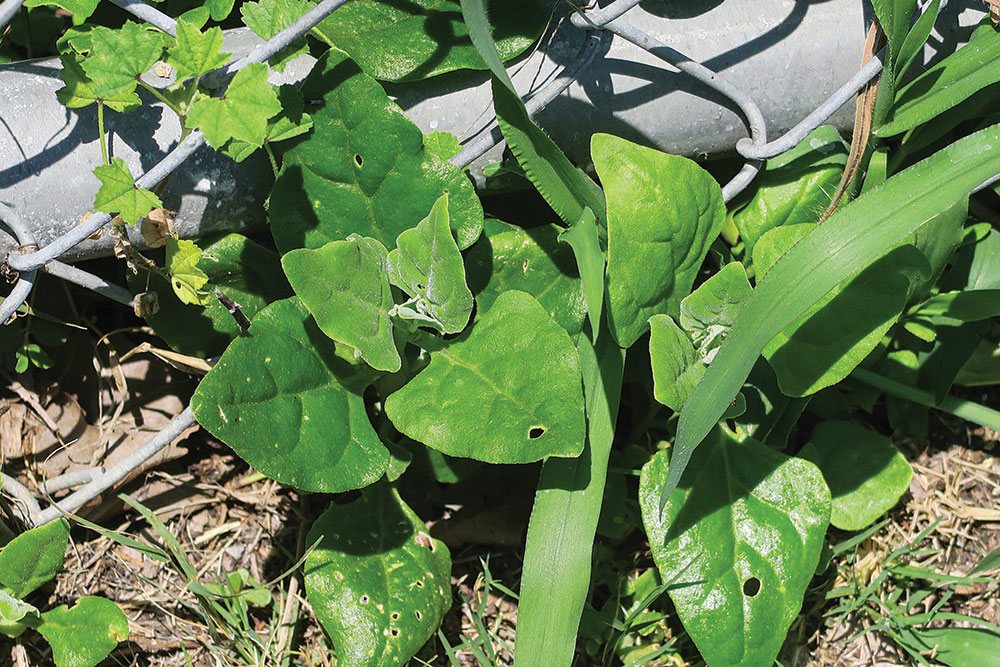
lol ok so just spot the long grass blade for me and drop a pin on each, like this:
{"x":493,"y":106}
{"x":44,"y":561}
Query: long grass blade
{"x":846,"y":243}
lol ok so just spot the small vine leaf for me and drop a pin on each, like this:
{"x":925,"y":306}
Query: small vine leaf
{"x":530,"y":260}
{"x":364,"y":169}
{"x":738,"y":541}
{"x":442,"y":145}
{"x":269,"y":17}
{"x":78,"y":90}
{"x":281,"y":398}
{"x":424,"y":38}
{"x":345,"y":285}
{"x":507,"y":391}
{"x":427,"y":265}
{"x":242,"y":114}
{"x":80,"y":9}
{"x":84,"y":634}
{"x":379,"y":584}
{"x":119,"y":194}
{"x":290,"y":123}
{"x":196,"y":52}
{"x":219,"y":9}
{"x":34,"y":557}
{"x":664,"y":212}
{"x":118,"y":57}
{"x":186,"y":278}
{"x":866,"y":474}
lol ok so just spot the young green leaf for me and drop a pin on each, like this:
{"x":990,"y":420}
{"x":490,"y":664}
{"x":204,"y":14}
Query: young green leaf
{"x":281,"y":398}
{"x":364,"y":168}
{"x":958,"y":647}
{"x":79,"y":89}
{"x":345,"y":285}
{"x":865,"y":472}
{"x":186,"y":278}
{"x":269,"y":17}
{"x":379,"y":584}
{"x":84,"y":634}
{"x":424,"y":38}
{"x":34,"y":557}
{"x":564,"y":518}
{"x":118,"y":193}
{"x":664,"y":211}
{"x":290,"y":123}
{"x":15,"y":614}
{"x":677,"y":366}
{"x":427,"y":265}
{"x":242,"y":114}
{"x":831,"y":253}
{"x":532,"y":261}
{"x":507,"y":391}
{"x":196,"y":52}
{"x":219,"y":9}
{"x":741,"y":538}
{"x":80,"y":9}
{"x":118,"y":57}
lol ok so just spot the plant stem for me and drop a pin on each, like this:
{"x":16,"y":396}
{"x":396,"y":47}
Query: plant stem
{"x":158,"y":95}
{"x":270,"y":156}
{"x":968,"y":410}
{"x":100,"y":131}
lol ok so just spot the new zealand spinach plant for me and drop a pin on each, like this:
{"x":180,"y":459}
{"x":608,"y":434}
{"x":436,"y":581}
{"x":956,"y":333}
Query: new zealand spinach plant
{"x":390,"y":315}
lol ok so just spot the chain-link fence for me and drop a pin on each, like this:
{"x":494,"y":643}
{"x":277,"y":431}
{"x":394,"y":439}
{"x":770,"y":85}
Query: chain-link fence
{"x":599,"y":25}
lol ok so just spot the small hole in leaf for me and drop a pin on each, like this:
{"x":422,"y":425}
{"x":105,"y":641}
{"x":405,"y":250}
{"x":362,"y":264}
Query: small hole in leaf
{"x":364,"y":599}
{"x":420,"y":583}
{"x":419,"y":615}
{"x":751,"y":587}
{"x":358,"y":160}
{"x":394,"y":615}
{"x":395,"y":632}
{"x":536,"y":432}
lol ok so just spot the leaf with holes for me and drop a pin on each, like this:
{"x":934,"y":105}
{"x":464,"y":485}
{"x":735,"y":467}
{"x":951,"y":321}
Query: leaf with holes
{"x":84,"y":634}
{"x":507,"y":391}
{"x":186,"y":278}
{"x":866,"y":474}
{"x":379,"y":584}
{"x":364,"y":168}
{"x":119,"y":194}
{"x":427,"y":265}
{"x":345,"y":285}
{"x":738,"y":541}
{"x":196,"y":52}
{"x":242,"y":114}
{"x":281,"y":398}
{"x":118,"y":57}
{"x":34,"y":557}
{"x":423,"y":38}
{"x":532,"y":261}
{"x":664,"y":211}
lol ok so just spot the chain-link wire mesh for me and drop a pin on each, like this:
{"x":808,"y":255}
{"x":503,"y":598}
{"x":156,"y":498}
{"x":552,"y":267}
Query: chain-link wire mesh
{"x":600,"y":25}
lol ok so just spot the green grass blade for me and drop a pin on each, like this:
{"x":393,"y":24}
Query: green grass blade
{"x":850,"y":240}
{"x":564,"y":520}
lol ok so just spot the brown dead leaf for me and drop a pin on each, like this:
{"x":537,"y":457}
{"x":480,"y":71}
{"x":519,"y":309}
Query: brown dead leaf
{"x":157,"y":227}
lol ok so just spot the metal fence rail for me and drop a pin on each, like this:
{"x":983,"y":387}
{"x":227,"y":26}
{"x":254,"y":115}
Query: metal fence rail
{"x":599,"y":23}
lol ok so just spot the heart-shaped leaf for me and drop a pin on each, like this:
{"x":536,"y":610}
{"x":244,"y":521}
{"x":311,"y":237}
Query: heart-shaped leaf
{"x":34,"y":557}
{"x":427,"y":265}
{"x":281,"y":398}
{"x":865,"y":472}
{"x":345,"y":285}
{"x":364,"y":168}
{"x":507,"y":391}
{"x":379,"y":584}
{"x":738,"y":541}
{"x":84,"y":634}
{"x":663,"y":213}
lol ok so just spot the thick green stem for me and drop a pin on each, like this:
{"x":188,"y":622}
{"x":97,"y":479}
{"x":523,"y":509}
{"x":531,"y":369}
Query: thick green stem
{"x":968,"y":410}
{"x":158,"y":95}
{"x":564,"y":518}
